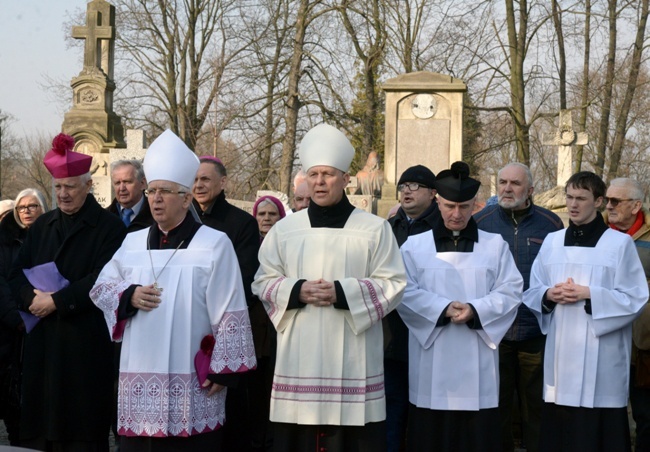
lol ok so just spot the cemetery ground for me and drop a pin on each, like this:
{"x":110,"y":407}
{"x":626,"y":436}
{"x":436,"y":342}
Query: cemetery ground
{"x":5,"y":442}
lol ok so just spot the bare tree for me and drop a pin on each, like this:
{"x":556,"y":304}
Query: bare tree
{"x":365,"y":23}
{"x":22,"y":164}
{"x":584,"y":94}
{"x":561,"y":53}
{"x":606,"y":106}
{"x":5,"y":139}
{"x":178,"y":53}
{"x":633,"y":77}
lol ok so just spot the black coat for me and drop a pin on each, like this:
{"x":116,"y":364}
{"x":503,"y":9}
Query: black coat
{"x":141,"y":221}
{"x":242,"y":230}
{"x":11,"y":239}
{"x":397,"y":348}
{"x":402,"y":229}
{"x":67,"y":364}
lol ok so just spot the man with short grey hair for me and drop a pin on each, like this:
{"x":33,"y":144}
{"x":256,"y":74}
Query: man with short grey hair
{"x":625,"y":213}
{"x":67,"y":361}
{"x":524,"y":226}
{"x":461,"y":297}
{"x":129,"y":182}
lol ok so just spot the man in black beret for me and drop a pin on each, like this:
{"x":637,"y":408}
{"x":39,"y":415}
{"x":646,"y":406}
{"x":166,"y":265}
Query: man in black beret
{"x":462,"y":293}
{"x":417,"y":213}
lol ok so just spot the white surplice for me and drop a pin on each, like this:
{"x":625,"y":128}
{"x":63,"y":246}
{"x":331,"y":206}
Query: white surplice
{"x":159,"y":392}
{"x":329,"y":367}
{"x":587,"y":357}
{"x":453,"y":367}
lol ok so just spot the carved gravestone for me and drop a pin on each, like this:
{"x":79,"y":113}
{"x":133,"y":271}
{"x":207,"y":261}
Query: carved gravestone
{"x":423,"y":126}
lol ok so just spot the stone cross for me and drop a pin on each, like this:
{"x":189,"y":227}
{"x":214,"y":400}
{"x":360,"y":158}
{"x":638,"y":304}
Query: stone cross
{"x":98,"y":33}
{"x":135,"y":147}
{"x":565,"y":138}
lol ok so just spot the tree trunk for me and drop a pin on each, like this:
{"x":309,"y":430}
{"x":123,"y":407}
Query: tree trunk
{"x":582,"y":122}
{"x":293,"y":103}
{"x":517,"y":47}
{"x":605,"y":111}
{"x":621,"y":118}
{"x":557,"y":23}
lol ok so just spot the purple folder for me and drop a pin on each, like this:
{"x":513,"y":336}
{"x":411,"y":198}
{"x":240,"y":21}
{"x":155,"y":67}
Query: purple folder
{"x":46,"y":278}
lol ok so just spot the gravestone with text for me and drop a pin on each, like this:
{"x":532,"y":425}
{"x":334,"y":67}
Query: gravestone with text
{"x":423,"y":126}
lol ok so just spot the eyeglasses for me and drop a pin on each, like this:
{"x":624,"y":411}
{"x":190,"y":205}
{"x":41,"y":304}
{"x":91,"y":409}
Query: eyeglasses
{"x":162,"y":192}
{"x":615,"y":201}
{"x":30,"y":207}
{"x":413,"y":186}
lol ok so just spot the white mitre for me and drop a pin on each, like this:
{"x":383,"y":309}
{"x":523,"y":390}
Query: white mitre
{"x":325,"y":145}
{"x":168,"y":158}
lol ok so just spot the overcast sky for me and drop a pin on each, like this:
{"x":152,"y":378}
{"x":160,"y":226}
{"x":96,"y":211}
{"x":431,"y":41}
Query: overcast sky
{"x":32,"y":48}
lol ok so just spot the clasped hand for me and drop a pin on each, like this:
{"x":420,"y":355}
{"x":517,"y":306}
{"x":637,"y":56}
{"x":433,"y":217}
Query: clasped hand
{"x":568,"y":292}
{"x":318,"y":293}
{"x":459,"y":312}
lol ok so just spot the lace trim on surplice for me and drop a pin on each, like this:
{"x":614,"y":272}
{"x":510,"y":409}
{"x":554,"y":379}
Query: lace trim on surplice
{"x":234,"y":350}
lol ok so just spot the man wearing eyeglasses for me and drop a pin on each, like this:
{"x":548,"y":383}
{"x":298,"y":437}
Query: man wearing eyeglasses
{"x":587,"y":285}
{"x":625,"y":213}
{"x":417,"y":213}
{"x":173,"y":292}
{"x":524,"y":226}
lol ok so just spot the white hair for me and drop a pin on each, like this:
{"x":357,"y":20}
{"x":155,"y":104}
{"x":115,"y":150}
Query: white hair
{"x":633,"y":187}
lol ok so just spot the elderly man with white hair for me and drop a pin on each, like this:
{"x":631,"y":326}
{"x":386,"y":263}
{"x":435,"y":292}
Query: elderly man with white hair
{"x":173,"y":292}
{"x":328,"y":275}
{"x":625,"y":213}
{"x":67,"y":357}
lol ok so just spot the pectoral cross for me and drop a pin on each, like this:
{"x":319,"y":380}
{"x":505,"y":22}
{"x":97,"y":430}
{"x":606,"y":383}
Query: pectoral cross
{"x":157,"y":287}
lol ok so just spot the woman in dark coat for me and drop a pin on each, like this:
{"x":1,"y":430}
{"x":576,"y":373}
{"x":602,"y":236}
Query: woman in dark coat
{"x":29,"y":205}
